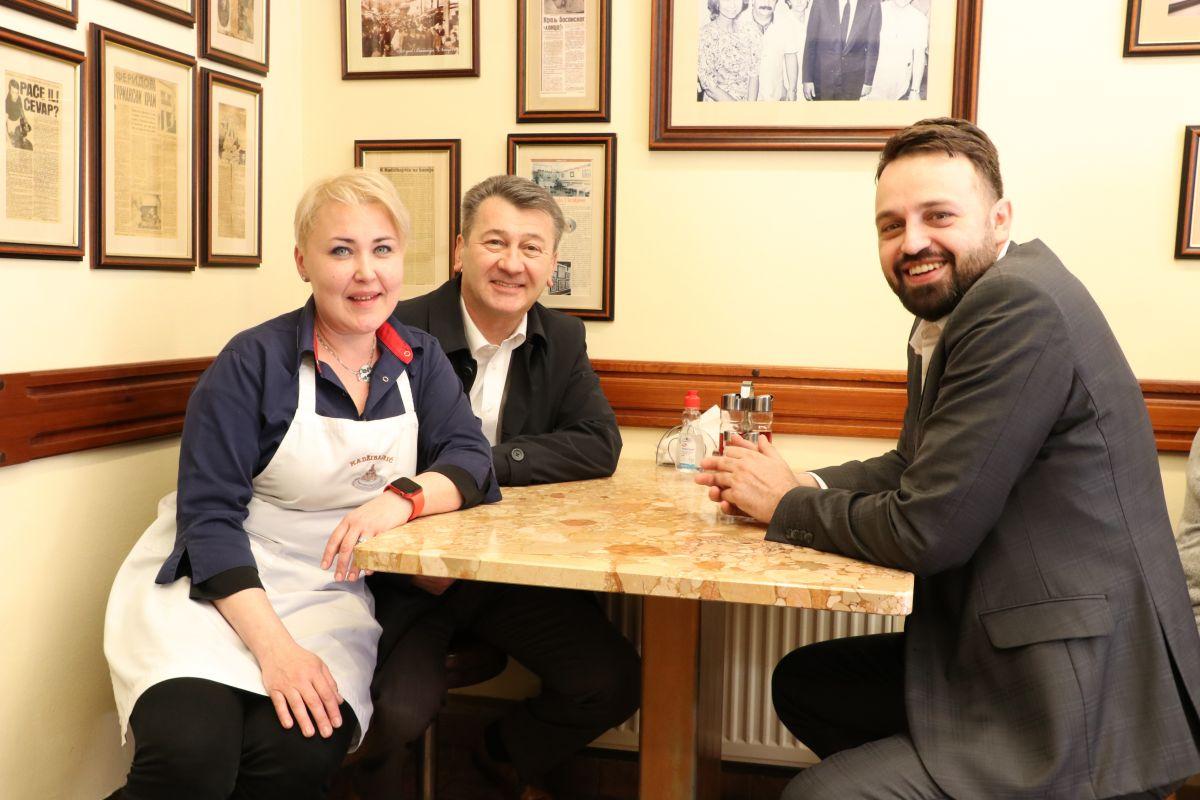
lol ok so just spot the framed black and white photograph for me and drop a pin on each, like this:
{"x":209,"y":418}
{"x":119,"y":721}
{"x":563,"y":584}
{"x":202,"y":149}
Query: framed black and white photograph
{"x":563,"y":60}
{"x":410,"y":39}
{"x":1187,"y":237}
{"x":143,"y":154}
{"x":237,"y":33}
{"x":230,"y":171}
{"x":580,"y":172}
{"x":181,"y":11}
{"x":64,"y":12}
{"x":426,"y":174}
{"x":807,"y":74}
{"x":41,"y":184}
{"x":1162,"y":28}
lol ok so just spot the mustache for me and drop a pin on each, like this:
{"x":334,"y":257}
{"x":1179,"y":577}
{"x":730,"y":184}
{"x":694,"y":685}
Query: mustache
{"x":924,"y":255}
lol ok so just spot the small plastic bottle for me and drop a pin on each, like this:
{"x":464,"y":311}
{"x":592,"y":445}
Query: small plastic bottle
{"x":691,"y":441}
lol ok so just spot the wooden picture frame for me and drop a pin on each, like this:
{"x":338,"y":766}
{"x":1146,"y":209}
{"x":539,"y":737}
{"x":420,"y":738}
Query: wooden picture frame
{"x":63,"y":12}
{"x":181,"y":11}
{"x":236,"y":33}
{"x":1187,"y":235}
{"x":41,"y":180}
{"x":231,"y":142}
{"x":693,"y":76}
{"x":391,"y":42}
{"x":553,"y":83}
{"x":1162,"y":28}
{"x":143,"y":160}
{"x":427,"y":173}
{"x":575,"y":168}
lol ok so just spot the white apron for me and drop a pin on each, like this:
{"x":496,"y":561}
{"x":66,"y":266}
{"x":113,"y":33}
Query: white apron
{"x":323,"y":469}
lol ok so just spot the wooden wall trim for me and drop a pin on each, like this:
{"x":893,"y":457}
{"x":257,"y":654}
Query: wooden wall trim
{"x":65,"y":411}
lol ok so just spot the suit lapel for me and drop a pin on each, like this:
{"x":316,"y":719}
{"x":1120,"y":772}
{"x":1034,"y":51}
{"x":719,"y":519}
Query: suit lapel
{"x":517,"y":392}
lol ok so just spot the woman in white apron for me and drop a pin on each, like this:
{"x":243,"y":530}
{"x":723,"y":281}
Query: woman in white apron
{"x":251,"y":679}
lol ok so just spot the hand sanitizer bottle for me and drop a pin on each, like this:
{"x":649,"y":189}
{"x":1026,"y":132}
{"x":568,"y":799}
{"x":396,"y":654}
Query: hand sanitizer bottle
{"x":691,"y":441}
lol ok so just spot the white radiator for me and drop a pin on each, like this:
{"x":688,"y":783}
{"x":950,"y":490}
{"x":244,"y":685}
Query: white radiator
{"x":756,"y":638}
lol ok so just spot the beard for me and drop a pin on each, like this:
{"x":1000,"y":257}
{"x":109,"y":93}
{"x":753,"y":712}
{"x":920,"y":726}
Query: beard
{"x":933,"y":301}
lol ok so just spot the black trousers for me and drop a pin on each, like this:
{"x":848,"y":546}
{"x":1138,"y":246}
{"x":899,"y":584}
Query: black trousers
{"x":200,"y":740}
{"x":590,"y":673}
{"x":844,"y":699}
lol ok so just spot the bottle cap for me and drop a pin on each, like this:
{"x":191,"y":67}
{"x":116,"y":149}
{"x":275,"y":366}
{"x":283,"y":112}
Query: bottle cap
{"x":692,"y":399}
{"x":731,"y":401}
{"x":763,"y":402}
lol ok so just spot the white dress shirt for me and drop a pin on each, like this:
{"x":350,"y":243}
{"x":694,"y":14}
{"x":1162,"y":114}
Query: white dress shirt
{"x":491,"y":375}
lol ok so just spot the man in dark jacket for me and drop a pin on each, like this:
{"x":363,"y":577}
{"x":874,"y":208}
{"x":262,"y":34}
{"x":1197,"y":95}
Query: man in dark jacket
{"x":527,"y":373}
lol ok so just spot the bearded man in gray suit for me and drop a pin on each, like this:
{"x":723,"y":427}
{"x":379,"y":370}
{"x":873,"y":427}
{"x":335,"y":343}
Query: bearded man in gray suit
{"x":1051,"y":652}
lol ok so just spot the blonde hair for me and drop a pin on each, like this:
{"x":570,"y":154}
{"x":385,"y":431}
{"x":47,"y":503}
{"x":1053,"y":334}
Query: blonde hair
{"x":356,"y":187}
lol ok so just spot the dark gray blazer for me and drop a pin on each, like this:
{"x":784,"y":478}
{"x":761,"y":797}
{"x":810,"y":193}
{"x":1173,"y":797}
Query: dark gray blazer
{"x":1052,"y":650}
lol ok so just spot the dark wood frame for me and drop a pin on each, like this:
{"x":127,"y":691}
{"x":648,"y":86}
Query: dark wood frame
{"x":603,"y":74}
{"x":99,"y":37}
{"x":165,"y":11}
{"x":1133,"y":25}
{"x":45,"y":11}
{"x":665,"y":136}
{"x":207,"y":50}
{"x":451,"y":146}
{"x":1184,"y":248}
{"x":609,"y":142}
{"x":207,"y":258}
{"x":52,"y":50}
{"x":464,"y":72}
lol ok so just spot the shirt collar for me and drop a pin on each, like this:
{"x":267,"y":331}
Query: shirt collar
{"x":927,"y":332}
{"x":306,"y":337}
{"x":447,"y":316}
{"x":477,"y":342}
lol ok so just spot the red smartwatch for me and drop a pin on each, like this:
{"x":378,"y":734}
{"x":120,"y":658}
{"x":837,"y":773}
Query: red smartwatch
{"x":411,"y":491}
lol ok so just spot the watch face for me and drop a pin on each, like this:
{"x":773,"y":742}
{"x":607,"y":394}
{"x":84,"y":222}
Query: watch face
{"x":407,"y":485}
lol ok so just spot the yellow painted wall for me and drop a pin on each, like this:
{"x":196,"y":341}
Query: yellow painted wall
{"x":1090,"y":145}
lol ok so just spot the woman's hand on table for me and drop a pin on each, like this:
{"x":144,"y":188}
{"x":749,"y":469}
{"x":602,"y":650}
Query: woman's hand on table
{"x":302,"y":689}
{"x":754,"y":478}
{"x":388,"y":510}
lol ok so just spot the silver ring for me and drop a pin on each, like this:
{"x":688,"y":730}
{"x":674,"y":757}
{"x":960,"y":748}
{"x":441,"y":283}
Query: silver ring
{"x":362,"y":538}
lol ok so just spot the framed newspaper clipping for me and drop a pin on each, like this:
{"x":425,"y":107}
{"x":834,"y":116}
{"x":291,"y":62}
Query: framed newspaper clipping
{"x":1187,"y":239}
{"x":181,"y":11}
{"x":41,"y":185}
{"x":230,"y":171}
{"x":563,"y":66}
{"x":143,"y":154}
{"x":64,"y":12}
{"x":1162,"y":28}
{"x":580,"y":172}
{"x":410,"y":39}
{"x":426,"y":174}
{"x":237,"y":33}
{"x":809,"y":75}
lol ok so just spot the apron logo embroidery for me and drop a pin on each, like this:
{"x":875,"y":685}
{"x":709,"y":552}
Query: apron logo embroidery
{"x":371,"y":479}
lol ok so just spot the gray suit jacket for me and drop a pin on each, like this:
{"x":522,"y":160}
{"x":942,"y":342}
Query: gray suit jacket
{"x":1051,"y":651}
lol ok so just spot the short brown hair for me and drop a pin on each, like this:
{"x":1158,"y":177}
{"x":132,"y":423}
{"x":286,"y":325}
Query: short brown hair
{"x":954,"y":137}
{"x":521,"y":192}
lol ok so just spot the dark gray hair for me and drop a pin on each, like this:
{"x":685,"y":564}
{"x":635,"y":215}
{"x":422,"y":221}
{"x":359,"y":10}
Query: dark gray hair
{"x":521,"y":192}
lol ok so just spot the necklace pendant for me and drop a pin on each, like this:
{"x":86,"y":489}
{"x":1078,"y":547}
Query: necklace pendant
{"x":364,"y":373}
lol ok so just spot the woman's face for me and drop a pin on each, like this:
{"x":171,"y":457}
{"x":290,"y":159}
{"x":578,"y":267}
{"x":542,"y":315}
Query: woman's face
{"x":354,"y":258}
{"x":731,"y":8}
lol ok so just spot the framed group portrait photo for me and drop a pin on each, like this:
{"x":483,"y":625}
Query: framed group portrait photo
{"x":808,"y":74}
{"x":237,"y":33}
{"x":41,"y":182}
{"x":427,"y":176}
{"x":563,"y":60}
{"x":580,"y":172}
{"x":1187,"y":237}
{"x":407,"y":39}
{"x":230,"y":171}
{"x":64,"y":12}
{"x":143,"y":154}
{"x":1162,"y":28}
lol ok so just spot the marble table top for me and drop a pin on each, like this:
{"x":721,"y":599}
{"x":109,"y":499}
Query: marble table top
{"x":647,"y":530}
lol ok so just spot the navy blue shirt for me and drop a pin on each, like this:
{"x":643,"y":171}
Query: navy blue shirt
{"x":244,"y":403}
